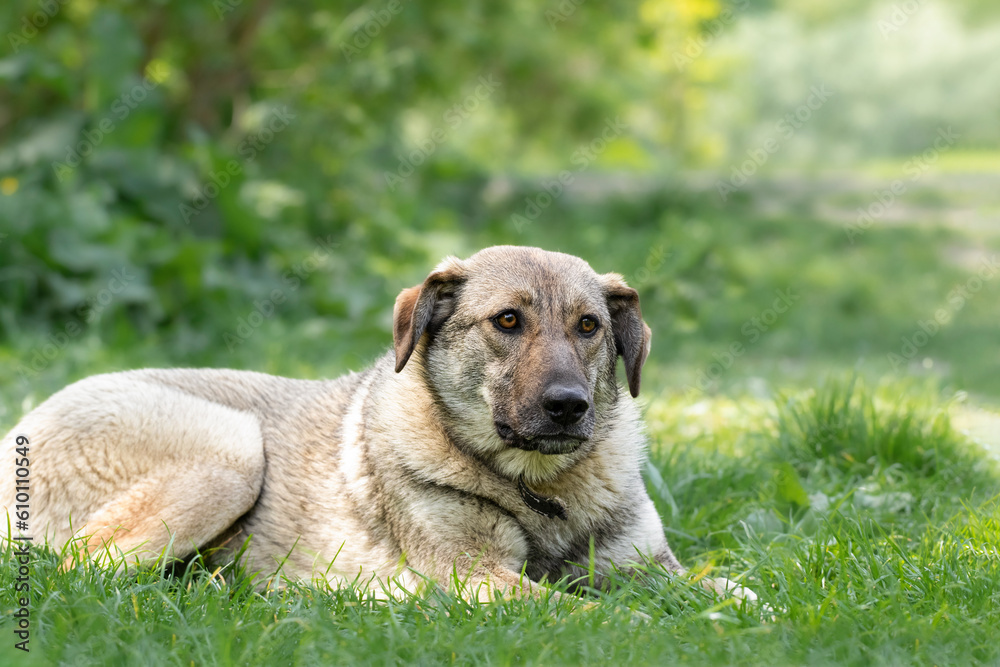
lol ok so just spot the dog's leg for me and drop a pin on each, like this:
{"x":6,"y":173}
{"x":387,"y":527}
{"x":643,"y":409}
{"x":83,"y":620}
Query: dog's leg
{"x":726,"y":587}
{"x":477,"y":571}
{"x":119,"y":464}
{"x":488,"y":579}
{"x":182,"y":509}
{"x":508,"y":584}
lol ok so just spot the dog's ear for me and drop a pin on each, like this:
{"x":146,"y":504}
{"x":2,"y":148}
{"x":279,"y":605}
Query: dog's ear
{"x":632,"y":336}
{"x":424,"y":306}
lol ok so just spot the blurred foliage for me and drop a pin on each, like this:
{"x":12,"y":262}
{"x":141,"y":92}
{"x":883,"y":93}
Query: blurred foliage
{"x":121,"y":118}
{"x":167,"y":170}
{"x":895,"y":77}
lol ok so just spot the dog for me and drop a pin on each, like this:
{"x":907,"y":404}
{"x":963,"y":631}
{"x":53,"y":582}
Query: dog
{"x":493,"y":442}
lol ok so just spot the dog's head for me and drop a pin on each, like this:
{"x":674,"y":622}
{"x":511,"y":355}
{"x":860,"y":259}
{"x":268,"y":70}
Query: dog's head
{"x":520,"y":345}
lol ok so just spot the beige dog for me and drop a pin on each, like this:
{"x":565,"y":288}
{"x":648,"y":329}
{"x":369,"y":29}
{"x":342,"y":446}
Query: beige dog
{"x":493,"y":442}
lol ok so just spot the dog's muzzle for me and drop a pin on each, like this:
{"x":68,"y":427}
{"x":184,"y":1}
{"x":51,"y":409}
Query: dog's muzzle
{"x":555,"y":443}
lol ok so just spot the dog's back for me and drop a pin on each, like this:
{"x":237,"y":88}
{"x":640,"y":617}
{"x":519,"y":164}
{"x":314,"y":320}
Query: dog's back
{"x":119,"y":446}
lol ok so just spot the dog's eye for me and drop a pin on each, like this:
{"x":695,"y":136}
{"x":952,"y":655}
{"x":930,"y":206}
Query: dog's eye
{"x":507,"y":320}
{"x":588,"y":324}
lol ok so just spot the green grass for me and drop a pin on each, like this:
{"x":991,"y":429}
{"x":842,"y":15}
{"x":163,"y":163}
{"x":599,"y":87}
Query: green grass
{"x":863,"y":519}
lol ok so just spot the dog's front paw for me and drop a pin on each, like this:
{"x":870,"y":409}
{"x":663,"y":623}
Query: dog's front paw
{"x":727,"y":587}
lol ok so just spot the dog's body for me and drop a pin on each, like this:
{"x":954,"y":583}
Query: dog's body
{"x":493,"y":440}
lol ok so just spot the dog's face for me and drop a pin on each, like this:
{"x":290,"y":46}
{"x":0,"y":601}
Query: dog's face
{"x":521,"y":347}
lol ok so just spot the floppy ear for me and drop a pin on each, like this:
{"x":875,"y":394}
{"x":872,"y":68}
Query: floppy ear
{"x":632,"y":336}
{"x":423,"y":306}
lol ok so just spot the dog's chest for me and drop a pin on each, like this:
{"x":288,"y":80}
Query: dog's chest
{"x":556,"y":545}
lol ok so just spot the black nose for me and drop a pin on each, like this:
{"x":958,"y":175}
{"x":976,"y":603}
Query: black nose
{"x":565,"y":405}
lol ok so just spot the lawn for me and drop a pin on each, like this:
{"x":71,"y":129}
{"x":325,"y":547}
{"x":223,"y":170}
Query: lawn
{"x":864,"y":521}
{"x":843,"y":489}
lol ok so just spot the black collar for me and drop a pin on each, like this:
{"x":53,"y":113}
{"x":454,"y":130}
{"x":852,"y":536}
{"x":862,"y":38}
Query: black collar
{"x":547,"y":507}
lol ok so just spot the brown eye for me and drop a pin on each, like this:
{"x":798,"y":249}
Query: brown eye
{"x":506,"y":320}
{"x":588,"y":324}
